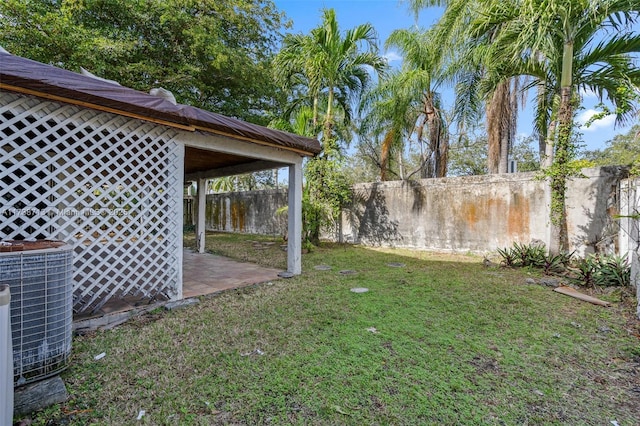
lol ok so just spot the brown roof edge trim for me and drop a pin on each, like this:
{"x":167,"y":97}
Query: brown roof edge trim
{"x":145,"y":118}
{"x":244,"y":138}
{"x":93,"y":106}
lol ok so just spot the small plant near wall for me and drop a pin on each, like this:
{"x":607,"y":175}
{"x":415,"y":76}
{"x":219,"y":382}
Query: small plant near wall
{"x":585,"y":271}
{"x":613,"y":271}
{"x":509,"y":257}
{"x":523,"y":255}
{"x":530,"y":254}
{"x":556,"y":263}
{"x":594,"y":270}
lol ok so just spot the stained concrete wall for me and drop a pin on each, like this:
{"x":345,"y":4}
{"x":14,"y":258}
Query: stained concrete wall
{"x":247,"y":212}
{"x":471,"y":213}
{"x":629,"y":237}
{"x":593,"y":203}
{"x":482,"y":213}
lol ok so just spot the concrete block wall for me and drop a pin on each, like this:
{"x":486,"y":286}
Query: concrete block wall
{"x":470,"y":213}
{"x":248,"y":212}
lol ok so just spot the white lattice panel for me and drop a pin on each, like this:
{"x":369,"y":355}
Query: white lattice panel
{"x":107,"y":184}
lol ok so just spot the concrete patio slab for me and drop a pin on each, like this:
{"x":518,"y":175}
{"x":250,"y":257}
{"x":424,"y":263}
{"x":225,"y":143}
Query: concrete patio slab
{"x":202,"y":274}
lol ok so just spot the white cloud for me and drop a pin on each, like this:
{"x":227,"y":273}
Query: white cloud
{"x":392,"y":57}
{"x":607,"y":121}
{"x":588,"y":93}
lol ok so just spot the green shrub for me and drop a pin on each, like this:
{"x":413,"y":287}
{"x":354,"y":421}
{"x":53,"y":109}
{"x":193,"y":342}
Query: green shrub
{"x":603,"y":271}
{"x":509,"y":257}
{"x":613,"y":271}
{"x":556,"y":263}
{"x":585,"y":271}
{"x":593,"y":270}
{"x":530,"y":254}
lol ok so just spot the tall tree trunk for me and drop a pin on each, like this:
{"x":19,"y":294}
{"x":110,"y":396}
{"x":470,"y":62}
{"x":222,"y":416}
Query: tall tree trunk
{"x":426,"y":165}
{"x":400,"y":165}
{"x":509,"y":136}
{"x":542,"y":136}
{"x":498,"y":122}
{"x":561,"y":170}
{"x":444,"y":153}
{"x":503,"y":162}
{"x":315,"y":113}
{"x":384,"y":154}
{"x":328,"y":122}
{"x":546,"y":159}
{"x":438,"y":145}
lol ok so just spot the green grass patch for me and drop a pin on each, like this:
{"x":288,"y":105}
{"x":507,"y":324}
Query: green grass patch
{"x":442,"y":340}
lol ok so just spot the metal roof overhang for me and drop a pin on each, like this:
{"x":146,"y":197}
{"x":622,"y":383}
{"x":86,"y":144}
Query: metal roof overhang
{"x":33,"y":78}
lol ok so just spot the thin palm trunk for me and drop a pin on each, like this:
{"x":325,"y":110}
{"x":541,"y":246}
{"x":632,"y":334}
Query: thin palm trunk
{"x":315,"y":112}
{"x":542,"y":137}
{"x":562,"y":151}
{"x":443,"y":154}
{"x":436,"y":159}
{"x":328,"y":122}
{"x":384,"y":154}
{"x":436,"y":144}
{"x":547,"y":159}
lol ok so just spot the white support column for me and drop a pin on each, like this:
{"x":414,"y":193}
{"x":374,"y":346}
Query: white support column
{"x":200,"y":227}
{"x":294,"y":244}
{"x":179,"y":188}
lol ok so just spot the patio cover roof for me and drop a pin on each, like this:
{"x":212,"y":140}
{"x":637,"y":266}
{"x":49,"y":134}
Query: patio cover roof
{"x":30,"y":77}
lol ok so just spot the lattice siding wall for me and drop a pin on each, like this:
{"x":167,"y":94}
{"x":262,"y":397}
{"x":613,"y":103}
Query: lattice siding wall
{"x":107,"y":184}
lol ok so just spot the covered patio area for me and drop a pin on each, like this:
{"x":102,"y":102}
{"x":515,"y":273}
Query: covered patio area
{"x":205,"y":273}
{"x":103,"y":168}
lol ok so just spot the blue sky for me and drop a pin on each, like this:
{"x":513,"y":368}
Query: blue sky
{"x":387,"y":15}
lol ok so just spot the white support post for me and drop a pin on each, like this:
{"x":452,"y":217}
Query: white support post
{"x":294,"y":244}
{"x":200,"y":227}
{"x":179,"y":188}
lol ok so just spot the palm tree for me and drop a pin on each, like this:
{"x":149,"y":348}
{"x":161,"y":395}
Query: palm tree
{"x":466,"y":64}
{"x":566,"y":46}
{"x":390,"y":113}
{"x":328,"y":69}
{"x":330,"y":63}
{"x":420,"y":78}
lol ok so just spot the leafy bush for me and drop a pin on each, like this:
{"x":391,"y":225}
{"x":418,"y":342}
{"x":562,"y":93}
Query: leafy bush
{"x":613,"y":271}
{"x":509,"y":257}
{"x":523,"y":255}
{"x":593,"y":270}
{"x":603,"y":270}
{"x":530,"y":254}
{"x":556,"y":263}
{"x":585,"y":271}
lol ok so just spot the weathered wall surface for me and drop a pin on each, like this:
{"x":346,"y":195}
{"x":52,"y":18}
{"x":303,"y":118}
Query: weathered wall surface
{"x":249,"y":212}
{"x":630,"y":230}
{"x":465,"y":213}
{"x":471,"y":213}
{"x":593,"y":202}
{"x":482,"y":213}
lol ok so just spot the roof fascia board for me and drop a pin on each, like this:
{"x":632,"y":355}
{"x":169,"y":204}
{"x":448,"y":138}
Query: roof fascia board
{"x":229,"y":145}
{"x":254,"y":166}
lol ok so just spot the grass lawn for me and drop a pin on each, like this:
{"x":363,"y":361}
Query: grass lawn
{"x":441,"y":340}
